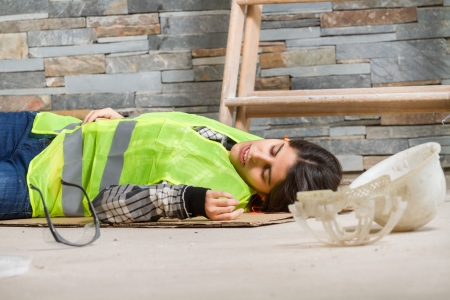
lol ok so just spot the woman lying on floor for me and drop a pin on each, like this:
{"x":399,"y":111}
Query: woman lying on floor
{"x":156,"y":165}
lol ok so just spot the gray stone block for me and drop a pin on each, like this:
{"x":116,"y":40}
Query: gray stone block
{"x":409,"y":68}
{"x":139,"y":6}
{"x":208,"y":73}
{"x":339,"y":40}
{"x":364,"y":147}
{"x":177,"y":76}
{"x":433,"y":14}
{"x":343,"y":69}
{"x":445,"y":150}
{"x":182,"y":42}
{"x":331,"y":82}
{"x":122,"y":39}
{"x":351,"y":163}
{"x":445,"y":82}
{"x":347,"y":130}
{"x":61,"y":37}
{"x":92,"y":101}
{"x":37,"y":91}
{"x":290,"y":24}
{"x":149,"y":62}
{"x":216,"y":60}
{"x":195,"y":24}
{"x":298,"y":132}
{"x":19,"y":7}
{"x":406,"y":131}
{"x":446,"y":2}
{"x":21,"y":65}
{"x":429,"y":47}
{"x":114,"y":83}
{"x":370,"y":29}
{"x":298,"y":7}
{"x":20,"y":18}
{"x":36,"y":22}
{"x":193,"y":99}
{"x":443,"y":140}
{"x":307,"y":121}
{"x":89,"y":49}
{"x":82,"y":8}
{"x":289,"y":34}
{"x":383,"y":3}
{"x":424,"y":30}
{"x":22,"y":80}
{"x":127,"y":54}
{"x":363,"y":117}
{"x":192,"y":87}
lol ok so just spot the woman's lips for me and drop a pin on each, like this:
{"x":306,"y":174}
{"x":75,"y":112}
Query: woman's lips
{"x":244,"y":150}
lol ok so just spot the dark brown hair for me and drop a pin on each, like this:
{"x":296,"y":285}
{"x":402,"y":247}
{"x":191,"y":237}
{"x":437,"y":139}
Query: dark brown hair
{"x":314,"y":169}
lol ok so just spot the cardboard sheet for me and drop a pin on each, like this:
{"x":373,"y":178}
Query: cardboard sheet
{"x":245,"y":220}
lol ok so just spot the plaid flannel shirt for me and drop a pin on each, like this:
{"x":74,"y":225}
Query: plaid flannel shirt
{"x":131,"y":203}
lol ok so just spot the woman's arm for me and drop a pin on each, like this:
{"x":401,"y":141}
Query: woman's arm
{"x":105,"y":113}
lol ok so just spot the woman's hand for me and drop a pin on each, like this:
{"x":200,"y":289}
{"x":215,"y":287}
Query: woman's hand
{"x":219,"y":206}
{"x":105,"y":114}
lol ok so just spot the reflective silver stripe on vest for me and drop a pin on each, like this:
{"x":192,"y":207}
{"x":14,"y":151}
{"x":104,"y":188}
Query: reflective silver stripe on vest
{"x":114,"y":164}
{"x":69,"y":127}
{"x":72,"y":196}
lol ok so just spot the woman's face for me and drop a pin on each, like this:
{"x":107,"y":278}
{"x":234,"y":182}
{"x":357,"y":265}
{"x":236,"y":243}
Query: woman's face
{"x":262,"y":163}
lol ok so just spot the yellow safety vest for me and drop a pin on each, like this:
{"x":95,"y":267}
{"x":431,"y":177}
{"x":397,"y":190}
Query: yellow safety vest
{"x":142,"y":150}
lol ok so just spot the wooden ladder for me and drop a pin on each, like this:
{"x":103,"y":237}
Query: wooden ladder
{"x":327,"y":102}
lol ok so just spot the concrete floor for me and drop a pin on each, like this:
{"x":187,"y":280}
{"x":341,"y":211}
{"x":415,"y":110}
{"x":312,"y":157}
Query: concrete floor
{"x":272,"y":262}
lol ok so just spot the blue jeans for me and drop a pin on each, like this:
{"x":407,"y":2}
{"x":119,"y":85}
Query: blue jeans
{"x":18,"y":147}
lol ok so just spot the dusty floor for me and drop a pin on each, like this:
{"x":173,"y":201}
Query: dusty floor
{"x":272,"y":262}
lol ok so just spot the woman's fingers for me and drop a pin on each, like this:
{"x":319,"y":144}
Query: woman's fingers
{"x":220,"y":206}
{"x":105,"y":113}
{"x":229,"y":216}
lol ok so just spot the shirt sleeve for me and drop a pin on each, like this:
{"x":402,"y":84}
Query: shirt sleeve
{"x":148,"y":203}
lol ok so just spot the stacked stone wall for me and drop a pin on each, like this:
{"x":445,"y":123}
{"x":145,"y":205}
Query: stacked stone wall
{"x":140,"y":56}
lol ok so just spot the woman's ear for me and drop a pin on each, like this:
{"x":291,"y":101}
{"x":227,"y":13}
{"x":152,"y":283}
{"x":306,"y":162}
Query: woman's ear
{"x":262,"y":196}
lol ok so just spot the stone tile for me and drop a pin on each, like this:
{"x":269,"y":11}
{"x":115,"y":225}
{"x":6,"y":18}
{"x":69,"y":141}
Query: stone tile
{"x":195,"y":24}
{"x":13,"y":46}
{"x":33,"y":91}
{"x":370,"y":161}
{"x":446,"y":2}
{"x":19,"y":80}
{"x":409,"y":68}
{"x":183,"y":42}
{"x":127,"y":54}
{"x":318,"y":70}
{"x":114,"y":83}
{"x":46,"y":24}
{"x":21,"y":103}
{"x":289,"y":34}
{"x":298,"y":132}
{"x":194,"y":99}
{"x":208,"y":73}
{"x":273,"y":47}
{"x":353,"y":61}
{"x":363,"y":117}
{"x":391,"y":132}
{"x":86,"y":64}
{"x":308,"y":57}
{"x":307,"y":121}
{"x":18,"y":7}
{"x":128,"y":20}
{"x":290,"y":24}
{"x":442,"y":140}
{"x":364,"y":147}
{"x":54,"y":81}
{"x":289,"y":16}
{"x":368,"y":17}
{"x":427,"y":47}
{"x":21,"y":65}
{"x":330,"y":82}
{"x":149,"y":62}
{"x":424,"y":30}
{"x":448,"y":46}
{"x":298,"y":7}
{"x":176,"y":14}
{"x":192,"y":87}
{"x":408,"y":83}
{"x":369,"y":29}
{"x":351,"y":163}
{"x":89,"y":49}
{"x":340,"y":40}
{"x":273,"y":83}
{"x":439,"y":117}
{"x":347,"y":130}
{"x":76,"y":113}
{"x":127,"y":30}
{"x":92,"y":101}
{"x":219,"y":60}
{"x":433,"y":14}
{"x":445,"y":82}
{"x":177,"y":76}
{"x":445,"y":159}
{"x":140,"y":6}
{"x":23,"y":17}
{"x":83,"y":8}
{"x":208,"y":52}
{"x":382,"y":4}
{"x":61,"y":37}
{"x":407,"y":119}
{"x":123,"y":39}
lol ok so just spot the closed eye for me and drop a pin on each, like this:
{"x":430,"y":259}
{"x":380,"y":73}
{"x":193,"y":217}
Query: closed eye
{"x":273,"y":153}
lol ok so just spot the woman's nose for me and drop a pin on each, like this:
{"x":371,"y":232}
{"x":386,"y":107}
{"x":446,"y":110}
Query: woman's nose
{"x":259,"y":157}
